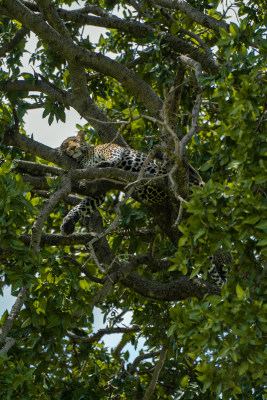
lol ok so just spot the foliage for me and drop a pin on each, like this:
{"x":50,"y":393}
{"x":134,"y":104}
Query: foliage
{"x":215,"y":342}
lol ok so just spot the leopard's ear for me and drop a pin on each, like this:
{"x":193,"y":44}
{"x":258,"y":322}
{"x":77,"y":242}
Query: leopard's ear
{"x":81,"y":136}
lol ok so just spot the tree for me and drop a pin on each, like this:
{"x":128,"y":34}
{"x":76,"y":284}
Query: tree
{"x":171,"y":76}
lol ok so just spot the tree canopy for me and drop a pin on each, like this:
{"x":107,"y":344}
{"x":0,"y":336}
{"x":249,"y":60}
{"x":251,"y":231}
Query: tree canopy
{"x":172,"y":78}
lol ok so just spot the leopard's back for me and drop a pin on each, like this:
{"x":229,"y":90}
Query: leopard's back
{"x":108,"y":154}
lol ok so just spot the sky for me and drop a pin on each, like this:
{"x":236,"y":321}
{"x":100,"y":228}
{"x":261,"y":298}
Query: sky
{"x":53,"y":136}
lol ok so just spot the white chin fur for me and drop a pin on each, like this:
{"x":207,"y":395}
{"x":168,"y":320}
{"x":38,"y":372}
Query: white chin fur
{"x":77,"y":154}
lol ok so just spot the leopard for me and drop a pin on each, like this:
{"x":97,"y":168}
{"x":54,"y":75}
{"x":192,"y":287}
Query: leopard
{"x":113,"y":155}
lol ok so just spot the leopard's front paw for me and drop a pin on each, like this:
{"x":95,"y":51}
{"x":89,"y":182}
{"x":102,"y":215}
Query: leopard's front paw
{"x":67,"y":227}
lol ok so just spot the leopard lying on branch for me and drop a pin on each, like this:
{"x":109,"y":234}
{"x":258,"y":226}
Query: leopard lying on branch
{"x":113,"y":155}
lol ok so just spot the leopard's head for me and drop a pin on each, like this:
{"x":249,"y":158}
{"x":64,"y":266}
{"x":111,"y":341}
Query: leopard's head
{"x":74,"y":146}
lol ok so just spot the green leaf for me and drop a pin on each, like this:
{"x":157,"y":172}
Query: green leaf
{"x":240,"y":292}
{"x":52,"y":321}
{"x":182,"y":241}
{"x":206,"y":385}
{"x":195,"y":271}
{"x":192,"y":355}
{"x":262,"y":242}
{"x":214,"y":299}
{"x":234,"y":29}
{"x":224,"y":34}
{"x":184,"y":381}
{"x":237,"y":389}
{"x":262,"y":224}
{"x":175,"y":27}
{"x":84,"y":284}
{"x":50,"y":181}
{"x":243,"y":368}
{"x":199,"y":233}
{"x":101,"y":41}
{"x":261,"y":178}
{"x":234,"y":356}
{"x":171,"y":330}
{"x":26,"y":323}
{"x":252,"y":219}
{"x":4,"y":317}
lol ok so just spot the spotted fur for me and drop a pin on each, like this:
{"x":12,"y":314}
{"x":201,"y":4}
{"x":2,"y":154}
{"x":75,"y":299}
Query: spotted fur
{"x":112,"y":155}
{"x":217,"y":272}
{"x":86,"y":207}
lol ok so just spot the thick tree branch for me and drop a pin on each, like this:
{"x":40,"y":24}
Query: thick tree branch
{"x":32,"y":167}
{"x":37,"y":182}
{"x":180,"y":289}
{"x":84,"y":188}
{"x":9,"y":342}
{"x":70,"y":199}
{"x":174,"y":96}
{"x":59,"y":240}
{"x":111,"y":280}
{"x":39,"y":85}
{"x":192,"y":13}
{"x":170,"y":20}
{"x":50,"y":14}
{"x":196,"y":109}
{"x":154,"y":264}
